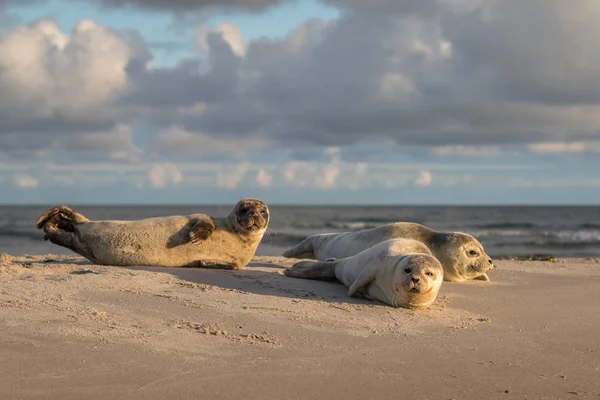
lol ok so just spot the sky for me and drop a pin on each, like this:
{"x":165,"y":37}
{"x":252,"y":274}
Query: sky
{"x":300,"y":102}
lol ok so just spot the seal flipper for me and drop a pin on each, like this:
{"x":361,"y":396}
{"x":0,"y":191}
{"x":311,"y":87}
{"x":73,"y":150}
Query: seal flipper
{"x":312,"y":270}
{"x":304,"y":249}
{"x":482,"y":277}
{"x":60,"y":225}
{"x":366,"y":276}
{"x":66,"y":213}
{"x":212,"y":264}
{"x":202,"y":229}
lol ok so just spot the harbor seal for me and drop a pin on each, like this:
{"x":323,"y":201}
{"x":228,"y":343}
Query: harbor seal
{"x":196,"y":240}
{"x":398,"y":272}
{"x":461,"y":254}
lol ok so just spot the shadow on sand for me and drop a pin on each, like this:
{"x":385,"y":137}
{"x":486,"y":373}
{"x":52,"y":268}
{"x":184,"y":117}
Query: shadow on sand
{"x":265,"y":279}
{"x":261,"y":278}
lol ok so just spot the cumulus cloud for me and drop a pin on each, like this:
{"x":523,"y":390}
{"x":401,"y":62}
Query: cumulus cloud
{"x":424,"y":179}
{"x":25,"y":181}
{"x":230,"y":34}
{"x":162,"y":176}
{"x":51,"y":81}
{"x":263,"y":178}
{"x":230,"y":177}
{"x":425,"y":84}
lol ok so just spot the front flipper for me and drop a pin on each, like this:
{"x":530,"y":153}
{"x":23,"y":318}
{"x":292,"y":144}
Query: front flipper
{"x":364,"y":278}
{"x":202,"y":229}
{"x":212,"y":264}
{"x":482,"y":277}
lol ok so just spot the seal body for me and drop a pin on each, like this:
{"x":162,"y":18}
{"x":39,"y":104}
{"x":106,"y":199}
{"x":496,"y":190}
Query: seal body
{"x":461,"y":255}
{"x":196,"y":240}
{"x":398,"y":272}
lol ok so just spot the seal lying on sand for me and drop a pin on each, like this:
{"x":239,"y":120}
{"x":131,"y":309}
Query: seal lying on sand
{"x":398,"y":272}
{"x":461,"y":255}
{"x":196,"y":240}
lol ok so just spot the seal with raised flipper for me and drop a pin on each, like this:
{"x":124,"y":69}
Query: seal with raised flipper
{"x":461,"y":255}
{"x":398,"y":272}
{"x":196,"y":240}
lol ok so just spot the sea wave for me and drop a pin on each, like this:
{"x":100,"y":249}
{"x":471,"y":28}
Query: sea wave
{"x":20,"y":233}
{"x":571,"y":235}
{"x":508,"y":225}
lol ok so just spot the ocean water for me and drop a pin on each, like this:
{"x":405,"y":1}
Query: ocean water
{"x":561,"y":231}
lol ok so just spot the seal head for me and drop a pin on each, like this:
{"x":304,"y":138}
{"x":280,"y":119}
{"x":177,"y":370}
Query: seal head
{"x":418,"y":279}
{"x":250,"y":216}
{"x":462,"y":256}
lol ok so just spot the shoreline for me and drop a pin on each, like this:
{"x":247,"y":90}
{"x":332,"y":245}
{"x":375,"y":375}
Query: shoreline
{"x":70,"y":330}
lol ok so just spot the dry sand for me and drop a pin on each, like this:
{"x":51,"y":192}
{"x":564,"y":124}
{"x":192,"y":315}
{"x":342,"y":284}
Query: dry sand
{"x":71,"y":330}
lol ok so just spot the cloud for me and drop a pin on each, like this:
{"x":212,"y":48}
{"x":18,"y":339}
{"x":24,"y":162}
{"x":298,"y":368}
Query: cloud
{"x":177,"y":141}
{"x":423,"y":85}
{"x":230,"y":33}
{"x":230,"y":177}
{"x":116,"y":144}
{"x":51,"y":81}
{"x":467,"y":151}
{"x":526,"y":51}
{"x":424,"y":179}
{"x":190,"y":5}
{"x":401,"y":81}
{"x":25,"y":181}
{"x":263,"y":178}
{"x":565,"y":147}
{"x":162,"y":176}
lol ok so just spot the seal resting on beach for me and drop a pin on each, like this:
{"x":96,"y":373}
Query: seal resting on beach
{"x":461,"y":255}
{"x":398,"y":272}
{"x":196,"y":240}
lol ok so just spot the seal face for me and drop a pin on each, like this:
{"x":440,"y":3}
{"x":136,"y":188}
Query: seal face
{"x":251,"y":216}
{"x":418,"y":280}
{"x":196,"y":240}
{"x":462,"y":256}
{"x":398,"y":272}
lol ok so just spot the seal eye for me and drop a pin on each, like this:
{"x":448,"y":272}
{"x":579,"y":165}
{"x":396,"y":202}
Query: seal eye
{"x":473,"y":253}
{"x":243,"y":209}
{"x":428,"y":273}
{"x":408,"y":270}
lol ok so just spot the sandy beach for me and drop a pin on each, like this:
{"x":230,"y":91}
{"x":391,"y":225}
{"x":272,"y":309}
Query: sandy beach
{"x":72,"y":330}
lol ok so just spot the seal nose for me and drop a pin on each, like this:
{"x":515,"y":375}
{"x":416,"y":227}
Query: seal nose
{"x":490,"y":261}
{"x":415,"y":280}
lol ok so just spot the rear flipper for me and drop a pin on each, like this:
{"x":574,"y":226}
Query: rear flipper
{"x":59,"y":224}
{"x":66,"y":213}
{"x":312,"y":270}
{"x":304,"y":249}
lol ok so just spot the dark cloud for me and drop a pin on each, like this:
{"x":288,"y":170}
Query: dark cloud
{"x":185,"y":5}
{"x":185,"y":84}
{"x":536,"y":51}
{"x":475,"y":74}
